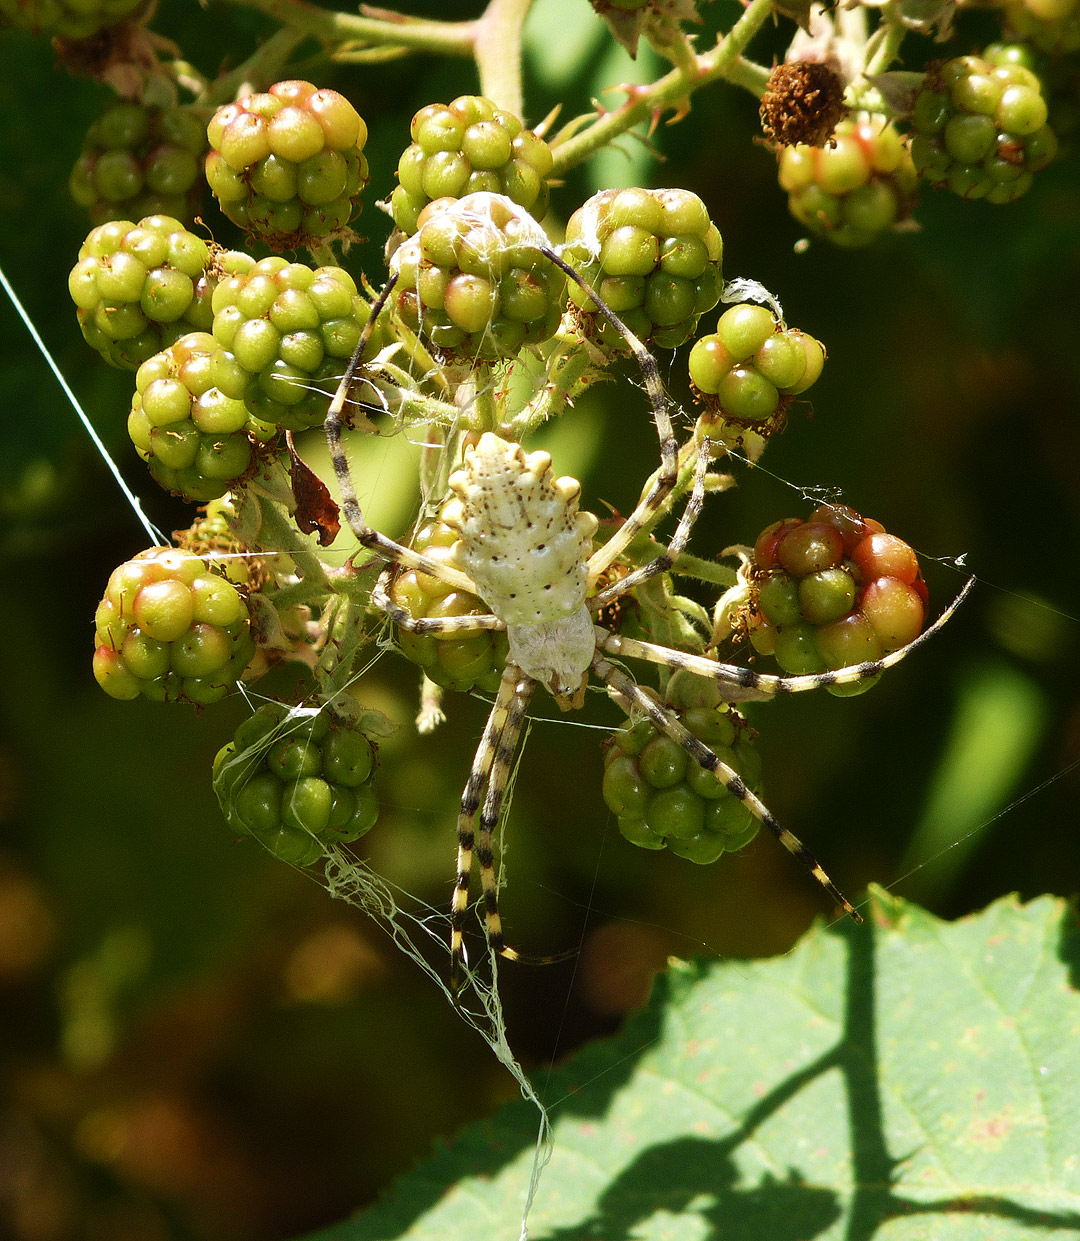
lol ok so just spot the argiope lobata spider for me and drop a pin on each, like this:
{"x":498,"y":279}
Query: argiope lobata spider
{"x":526,"y":549}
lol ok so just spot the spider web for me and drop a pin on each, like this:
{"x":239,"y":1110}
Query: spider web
{"x":420,"y":931}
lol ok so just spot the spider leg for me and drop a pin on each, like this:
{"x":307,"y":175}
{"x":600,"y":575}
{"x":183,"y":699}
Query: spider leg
{"x":460,"y":625}
{"x":660,"y":403}
{"x":663,"y":562}
{"x":626,"y":692}
{"x":490,"y":768}
{"x":744,"y":684}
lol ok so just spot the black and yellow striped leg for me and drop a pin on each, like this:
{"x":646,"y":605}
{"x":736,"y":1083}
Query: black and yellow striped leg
{"x":471,"y":800}
{"x":627,"y":693}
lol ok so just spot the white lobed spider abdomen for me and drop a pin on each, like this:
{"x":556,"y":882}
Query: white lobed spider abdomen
{"x":525,"y":545}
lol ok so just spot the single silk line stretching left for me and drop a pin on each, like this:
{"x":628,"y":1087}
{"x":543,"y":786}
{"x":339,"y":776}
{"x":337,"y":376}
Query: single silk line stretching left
{"x":156,"y":537}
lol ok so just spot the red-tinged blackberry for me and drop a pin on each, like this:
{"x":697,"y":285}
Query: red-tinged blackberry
{"x":473,"y":282}
{"x":654,"y":256}
{"x":289,"y":331}
{"x":1053,"y":26}
{"x":68,"y":19}
{"x":287,"y":165}
{"x":139,"y":287}
{"x":851,"y":191}
{"x":833,"y":591}
{"x":465,"y":147}
{"x":298,"y":780}
{"x":472,"y":661}
{"x":171,"y":629}
{"x":980,"y":129}
{"x":197,"y":441}
{"x":664,"y":799}
{"x":139,"y":161}
{"x":747,"y":371}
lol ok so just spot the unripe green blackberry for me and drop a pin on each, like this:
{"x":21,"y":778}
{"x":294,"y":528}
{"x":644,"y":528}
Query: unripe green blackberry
{"x":833,"y":591}
{"x":472,"y":281}
{"x":289,"y":331}
{"x":139,"y":287}
{"x":287,"y":165}
{"x":852,"y":190}
{"x":457,"y":662}
{"x":1053,"y":26}
{"x":68,"y":19}
{"x":139,"y":161}
{"x":466,"y":147}
{"x":1060,"y":78}
{"x":980,"y":129}
{"x":171,"y":629}
{"x":198,"y":442}
{"x":298,"y":780}
{"x":653,"y":256}
{"x":662,"y":797}
{"x":747,"y":371}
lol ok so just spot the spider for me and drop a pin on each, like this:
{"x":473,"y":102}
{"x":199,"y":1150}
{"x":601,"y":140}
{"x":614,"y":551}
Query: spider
{"x":526,"y":549}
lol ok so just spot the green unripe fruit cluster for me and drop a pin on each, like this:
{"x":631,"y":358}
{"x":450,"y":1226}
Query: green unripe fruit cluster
{"x":980,"y":129}
{"x":139,"y":161}
{"x":663,"y":798}
{"x":465,"y":147}
{"x":287,"y":165}
{"x":834,"y":591}
{"x":472,"y":281}
{"x":67,"y":19}
{"x":852,"y":190}
{"x":139,"y":287}
{"x":288,"y":331}
{"x":196,"y":440}
{"x":653,"y":256}
{"x":170,"y":629}
{"x":457,"y":662}
{"x":1053,"y":26}
{"x":747,"y":371}
{"x":298,"y":780}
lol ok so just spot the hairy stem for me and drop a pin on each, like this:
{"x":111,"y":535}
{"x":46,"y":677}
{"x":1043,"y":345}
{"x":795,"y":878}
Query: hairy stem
{"x":498,"y":52}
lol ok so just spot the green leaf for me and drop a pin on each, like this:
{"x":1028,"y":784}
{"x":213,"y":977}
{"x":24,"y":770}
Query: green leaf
{"x":907,"y":1080}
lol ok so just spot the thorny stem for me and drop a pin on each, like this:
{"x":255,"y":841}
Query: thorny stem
{"x":396,"y":29}
{"x":260,"y":68}
{"x":567,"y":364}
{"x":347,"y":633}
{"x":669,"y":90}
{"x":883,"y":47}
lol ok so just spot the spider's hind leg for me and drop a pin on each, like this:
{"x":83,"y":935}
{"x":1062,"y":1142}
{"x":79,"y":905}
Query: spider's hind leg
{"x":491,"y":768}
{"x":628,"y":694}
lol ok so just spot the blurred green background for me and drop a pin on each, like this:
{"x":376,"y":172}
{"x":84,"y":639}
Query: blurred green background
{"x":198,"y":1042}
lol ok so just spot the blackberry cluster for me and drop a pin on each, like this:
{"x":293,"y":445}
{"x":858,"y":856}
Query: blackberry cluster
{"x":472,"y":281}
{"x":748,"y":370}
{"x":139,"y":161}
{"x":288,"y":165}
{"x":288,"y":331}
{"x":664,"y":799}
{"x":853,"y":190}
{"x":833,"y":591}
{"x":171,"y":629}
{"x":298,"y":780}
{"x":466,"y":147}
{"x":980,"y":129}
{"x":462,"y":664}
{"x":654,"y":257}
{"x":1052,"y":26}
{"x":139,"y":287}
{"x":197,"y":441}
{"x":68,"y":19}
{"x":1060,"y":79}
